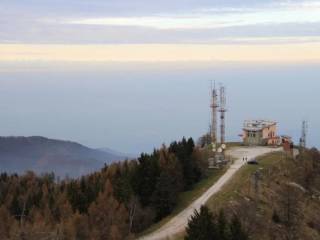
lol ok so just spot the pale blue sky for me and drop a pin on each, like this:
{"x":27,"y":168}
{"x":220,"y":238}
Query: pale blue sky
{"x":142,"y":21}
{"x":135,"y":107}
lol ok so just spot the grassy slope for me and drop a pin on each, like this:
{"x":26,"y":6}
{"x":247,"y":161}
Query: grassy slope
{"x":230,"y":191}
{"x":256,"y":209}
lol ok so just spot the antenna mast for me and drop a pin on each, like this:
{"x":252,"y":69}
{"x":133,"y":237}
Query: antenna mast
{"x":222,"y":111}
{"x":303,"y":139}
{"x":214,"y":106}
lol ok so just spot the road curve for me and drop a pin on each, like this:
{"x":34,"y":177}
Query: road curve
{"x":178,"y":223}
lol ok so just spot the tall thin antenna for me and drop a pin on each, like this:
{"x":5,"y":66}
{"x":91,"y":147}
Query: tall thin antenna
{"x":222,"y":111}
{"x":214,"y":106}
{"x":303,"y":139}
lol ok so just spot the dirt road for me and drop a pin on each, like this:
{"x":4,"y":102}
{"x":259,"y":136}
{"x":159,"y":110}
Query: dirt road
{"x":178,"y":223}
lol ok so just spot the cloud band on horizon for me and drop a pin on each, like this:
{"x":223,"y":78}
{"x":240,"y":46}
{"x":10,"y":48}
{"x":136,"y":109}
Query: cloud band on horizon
{"x":161,"y":52}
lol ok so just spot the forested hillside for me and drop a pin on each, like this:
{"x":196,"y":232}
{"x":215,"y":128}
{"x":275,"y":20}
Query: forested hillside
{"x":277,"y":199}
{"x":40,"y":154}
{"x":117,"y":202}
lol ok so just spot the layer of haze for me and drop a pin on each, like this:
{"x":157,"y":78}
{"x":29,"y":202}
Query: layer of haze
{"x":133,"y":107}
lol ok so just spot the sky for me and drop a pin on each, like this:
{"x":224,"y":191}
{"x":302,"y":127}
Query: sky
{"x":176,"y":30}
{"x":132,"y":74}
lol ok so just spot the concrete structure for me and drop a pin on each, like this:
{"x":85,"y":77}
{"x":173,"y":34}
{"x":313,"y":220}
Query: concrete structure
{"x":260,"y":132}
{"x":287,"y":144}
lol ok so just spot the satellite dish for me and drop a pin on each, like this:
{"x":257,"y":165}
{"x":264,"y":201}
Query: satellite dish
{"x":213,"y":146}
{"x":223,"y":146}
{"x":219,"y":150}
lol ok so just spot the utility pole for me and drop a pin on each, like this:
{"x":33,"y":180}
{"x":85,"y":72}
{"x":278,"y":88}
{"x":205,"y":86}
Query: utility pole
{"x":303,"y":139}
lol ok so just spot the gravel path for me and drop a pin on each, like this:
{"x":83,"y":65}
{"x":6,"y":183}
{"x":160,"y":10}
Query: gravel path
{"x":178,"y":223}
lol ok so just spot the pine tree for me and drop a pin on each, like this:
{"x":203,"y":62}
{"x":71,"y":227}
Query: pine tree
{"x":168,"y":184}
{"x":184,"y":153}
{"x":236,"y":230}
{"x":222,"y":225}
{"x":105,"y":212}
{"x":165,"y":196}
{"x":201,"y":226}
{"x":145,"y":177}
{"x":5,"y":223}
{"x":80,"y":226}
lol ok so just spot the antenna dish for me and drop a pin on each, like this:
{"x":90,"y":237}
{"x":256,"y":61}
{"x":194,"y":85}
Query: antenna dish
{"x":223,"y":146}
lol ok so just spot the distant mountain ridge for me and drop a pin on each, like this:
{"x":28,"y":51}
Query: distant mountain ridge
{"x":40,"y":154}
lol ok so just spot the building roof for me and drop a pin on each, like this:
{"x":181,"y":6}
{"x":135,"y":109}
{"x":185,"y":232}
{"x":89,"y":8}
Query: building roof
{"x":286,"y":136}
{"x":257,"y":125}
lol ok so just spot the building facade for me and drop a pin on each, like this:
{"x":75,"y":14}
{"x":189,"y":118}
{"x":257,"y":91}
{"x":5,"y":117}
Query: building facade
{"x":260,"y":132}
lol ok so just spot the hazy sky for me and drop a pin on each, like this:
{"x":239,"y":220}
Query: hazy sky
{"x":134,"y":107}
{"x":59,"y":77}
